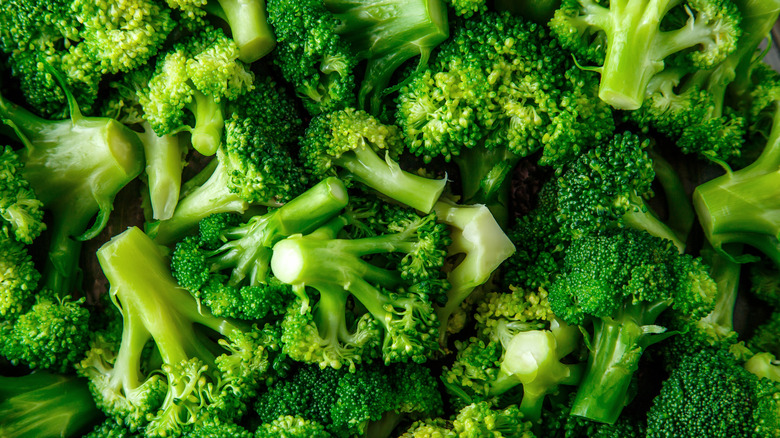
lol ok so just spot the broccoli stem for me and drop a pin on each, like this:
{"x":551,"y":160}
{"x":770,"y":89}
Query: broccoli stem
{"x":249,"y":26}
{"x":484,"y":176}
{"x":742,"y":206}
{"x":329,"y":315}
{"x":387,"y":177}
{"x":680,"y":210}
{"x":617,"y":345}
{"x":387,"y":34}
{"x":209,"y":121}
{"x":642,"y":218}
{"x":758,"y":18}
{"x":164,"y":164}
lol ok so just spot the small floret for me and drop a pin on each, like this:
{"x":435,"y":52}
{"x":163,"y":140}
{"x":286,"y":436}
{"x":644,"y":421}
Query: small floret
{"x":18,"y":279}
{"x":288,"y":426}
{"x":355,"y":145}
{"x":21,"y":213}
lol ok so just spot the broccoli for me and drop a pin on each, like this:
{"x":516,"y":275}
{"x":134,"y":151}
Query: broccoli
{"x":321,"y":42}
{"x":350,"y":403}
{"x":634,"y":40}
{"x":246,"y":19}
{"x":540,"y":11}
{"x":468,"y":8}
{"x":475,"y":420}
{"x":19,"y":279}
{"x":620,"y":282}
{"x":253,"y":166}
{"x":288,"y":426}
{"x":558,"y":423}
{"x":203,"y":367}
{"x":518,"y":344}
{"x":190,"y":85}
{"x":21,"y":212}
{"x":498,"y":90}
{"x":364,"y":149}
{"x":82,"y":41}
{"x":608,"y":187}
{"x":710,"y":394}
{"x":741,"y":206}
{"x":45,"y":405}
{"x":480,"y":245}
{"x":398,"y":294}
{"x":227,"y":267}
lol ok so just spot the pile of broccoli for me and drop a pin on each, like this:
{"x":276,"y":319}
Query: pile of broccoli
{"x":389,"y":219}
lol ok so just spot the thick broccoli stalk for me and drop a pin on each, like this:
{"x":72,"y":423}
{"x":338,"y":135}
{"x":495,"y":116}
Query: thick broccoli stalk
{"x":608,"y":187}
{"x":398,"y":297}
{"x":742,"y":206}
{"x":252,"y":168}
{"x":247,"y":20}
{"x":478,"y":237}
{"x":364,"y":150}
{"x":202,"y":367}
{"x":633,"y":40}
{"x":21,"y":212}
{"x":45,"y":405}
{"x":493,"y":94}
{"x":190,"y":85}
{"x":233,"y":260}
{"x":351,"y":404}
{"x":621,"y":282}
{"x":76,"y":166}
{"x":387,"y":34}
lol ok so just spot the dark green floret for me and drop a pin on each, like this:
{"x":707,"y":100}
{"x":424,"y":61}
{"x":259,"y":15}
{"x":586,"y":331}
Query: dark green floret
{"x":617,"y":285}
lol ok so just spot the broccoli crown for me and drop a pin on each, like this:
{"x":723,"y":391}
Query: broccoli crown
{"x":398,"y":295}
{"x":227,"y":266}
{"x":190,"y":84}
{"x":710,"y":393}
{"x":602,"y":274}
{"x":355,"y":145}
{"x":346,"y":402}
{"x":110,"y":428}
{"x":44,"y":404}
{"x":53,"y":334}
{"x":80,"y":40}
{"x":311,"y":55}
{"x":698,"y":32}
{"x":18,"y":279}
{"x":20,"y":210}
{"x":288,"y":426}
{"x":501,"y":83}
{"x":203,"y":367}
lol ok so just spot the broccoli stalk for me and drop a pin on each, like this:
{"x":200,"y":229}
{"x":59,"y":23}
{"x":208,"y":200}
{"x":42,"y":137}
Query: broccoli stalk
{"x":204,"y":366}
{"x":742,"y":206}
{"x":44,"y":405}
{"x":248,"y":26}
{"x":621,"y":282}
{"x":710,"y":28}
{"x":76,"y":166}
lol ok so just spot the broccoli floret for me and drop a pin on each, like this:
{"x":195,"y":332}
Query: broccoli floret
{"x":475,"y":420}
{"x":356,"y":145}
{"x":741,"y":206}
{"x":227,"y":267}
{"x":350,"y":403}
{"x":288,"y":426}
{"x":252,"y":168}
{"x":45,"y":405}
{"x":18,"y":279}
{"x":468,"y":8}
{"x":710,"y":394}
{"x":321,"y":43}
{"x":621,"y":282}
{"x":513,"y":349}
{"x":82,"y":41}
{"x":608,"y":187}
{"x":190,"y":86}
{"x":498,"y":90}
{"x":398,"y":294}
{"x":481,"y":246}
{"x":698,"y":32}
{"x":203,"y":367}
{"x":246,"y":18}
{"x":21,"y":213}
